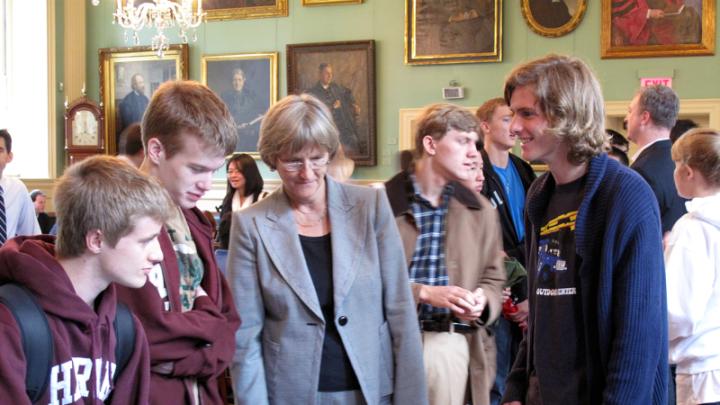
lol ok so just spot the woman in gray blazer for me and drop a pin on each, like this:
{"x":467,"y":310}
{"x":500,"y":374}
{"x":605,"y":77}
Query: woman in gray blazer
{"x":319,"y":280}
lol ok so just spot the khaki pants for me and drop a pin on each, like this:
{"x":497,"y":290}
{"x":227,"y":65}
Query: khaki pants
{"x":447,"y":364}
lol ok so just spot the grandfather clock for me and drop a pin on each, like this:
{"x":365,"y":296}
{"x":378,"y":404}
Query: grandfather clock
{"x":84,"y":125}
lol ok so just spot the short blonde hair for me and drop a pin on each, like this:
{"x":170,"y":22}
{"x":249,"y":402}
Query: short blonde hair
{"x":179,"y":107}
{"x":436,"y":120}
{"x":295,"y":123}
{"x":699,"y":148}
{"x":570,"y":98}
{"x":108,"y":194}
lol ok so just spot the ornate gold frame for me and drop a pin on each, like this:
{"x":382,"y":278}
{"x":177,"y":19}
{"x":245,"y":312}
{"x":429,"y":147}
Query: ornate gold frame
{"x":706,"y":46}
{"x":326,"y":2}
{"x":412,"y":58}
{"x":554,"y":32}
{"x":280,"y":9}
{"x":271,"y":56}
{"x":108,"y":57}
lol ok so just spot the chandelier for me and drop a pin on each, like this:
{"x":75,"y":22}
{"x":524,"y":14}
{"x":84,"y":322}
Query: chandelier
{"x":162,"y":14}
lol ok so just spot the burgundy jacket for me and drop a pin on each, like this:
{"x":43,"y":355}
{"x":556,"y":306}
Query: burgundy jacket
{"x":199,"y":343}
{"x":84,"y":338}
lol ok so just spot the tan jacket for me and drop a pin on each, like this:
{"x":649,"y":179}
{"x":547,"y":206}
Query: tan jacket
{"x":473,"y":258}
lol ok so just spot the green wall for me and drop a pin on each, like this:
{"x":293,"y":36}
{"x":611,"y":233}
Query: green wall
{"x":402,"y":86}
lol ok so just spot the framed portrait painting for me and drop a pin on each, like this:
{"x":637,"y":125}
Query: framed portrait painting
{"x":247,"y":83}
{"x":453,"y":31}
{"x":240,"y":9}
{"x":657,"y":28}
{"x":553,"y":18}
{"x":341,"y":75}
{"x":128,"y":79}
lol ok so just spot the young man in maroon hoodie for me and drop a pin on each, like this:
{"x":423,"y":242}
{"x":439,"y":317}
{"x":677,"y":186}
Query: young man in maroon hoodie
{"x":109,"y":217}
{"x":186,"y":308}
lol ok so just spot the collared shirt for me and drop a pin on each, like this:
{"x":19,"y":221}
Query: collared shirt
{"x":641,"y":150}
{"x":19,"y":209}
{"x":428,"y":262}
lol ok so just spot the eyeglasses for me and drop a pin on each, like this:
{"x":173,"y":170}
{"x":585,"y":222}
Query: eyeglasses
{"x":296,"y":165}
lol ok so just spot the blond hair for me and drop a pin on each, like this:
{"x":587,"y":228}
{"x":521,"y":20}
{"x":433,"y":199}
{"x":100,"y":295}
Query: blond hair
{"x":107,"y":194}
{"x":570,"y":98}
{"x":436,"y":120}
{"x":186,"y":107}
{"x":699,"y":148}
{"x":295,"y":123}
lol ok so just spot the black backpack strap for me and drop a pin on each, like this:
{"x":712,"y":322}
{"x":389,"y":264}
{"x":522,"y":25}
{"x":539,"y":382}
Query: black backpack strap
{"x":125,"y":335}
{"x":36,"y":336}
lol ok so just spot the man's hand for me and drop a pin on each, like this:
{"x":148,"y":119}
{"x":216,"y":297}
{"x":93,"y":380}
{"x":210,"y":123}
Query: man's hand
{"x":459,"y":300}
{"x":655,"y":14}
{"x":522,"y":313}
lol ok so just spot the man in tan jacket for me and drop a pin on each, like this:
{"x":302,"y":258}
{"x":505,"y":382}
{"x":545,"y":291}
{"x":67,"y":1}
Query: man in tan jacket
{"x":451,"y":238}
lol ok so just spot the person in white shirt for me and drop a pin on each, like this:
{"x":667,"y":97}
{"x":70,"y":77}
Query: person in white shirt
{"x":692,"y":260}
{"x":17,"y":212}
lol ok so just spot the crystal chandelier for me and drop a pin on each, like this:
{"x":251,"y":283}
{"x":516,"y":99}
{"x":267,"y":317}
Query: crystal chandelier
{"x":162,"y":14}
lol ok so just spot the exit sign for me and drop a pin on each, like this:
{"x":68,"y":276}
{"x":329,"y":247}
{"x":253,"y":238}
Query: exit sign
{"x":652,"y":81}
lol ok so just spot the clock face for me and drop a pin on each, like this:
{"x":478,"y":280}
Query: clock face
{"x":84,"y":129}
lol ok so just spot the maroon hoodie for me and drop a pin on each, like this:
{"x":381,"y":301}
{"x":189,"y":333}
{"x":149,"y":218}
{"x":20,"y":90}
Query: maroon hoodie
{"x":199,"y":343}
{"x":84,"y":339}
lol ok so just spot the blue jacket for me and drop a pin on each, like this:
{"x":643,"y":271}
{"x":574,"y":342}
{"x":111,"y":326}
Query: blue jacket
{"x":622,"y":287}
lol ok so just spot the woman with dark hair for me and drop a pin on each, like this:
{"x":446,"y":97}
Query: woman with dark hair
{"x":244,"y":187}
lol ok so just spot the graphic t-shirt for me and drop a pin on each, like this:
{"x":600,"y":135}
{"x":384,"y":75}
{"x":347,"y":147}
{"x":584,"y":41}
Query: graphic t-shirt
{"x":559,"y":343}
{"x":189,"y":263}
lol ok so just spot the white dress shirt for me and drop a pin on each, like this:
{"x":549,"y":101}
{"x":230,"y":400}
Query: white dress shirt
{"x":19,"y":209}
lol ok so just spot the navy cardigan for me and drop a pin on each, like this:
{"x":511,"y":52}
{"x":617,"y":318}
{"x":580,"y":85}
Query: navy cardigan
{"x":622,"y":287}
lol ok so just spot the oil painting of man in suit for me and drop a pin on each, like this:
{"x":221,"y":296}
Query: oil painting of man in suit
{"x":341,"y":103}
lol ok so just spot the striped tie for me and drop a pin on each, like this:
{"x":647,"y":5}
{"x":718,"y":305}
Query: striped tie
{"x":3,"y":227}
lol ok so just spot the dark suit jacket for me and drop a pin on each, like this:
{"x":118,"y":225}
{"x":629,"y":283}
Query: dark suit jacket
{"x":132,"y":108}
{"x":656,"y":166}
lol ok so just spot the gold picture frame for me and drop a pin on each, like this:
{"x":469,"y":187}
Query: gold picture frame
{"x":452,"y":32}
{"x":219,"y":10}
{"x":685,"y":31}
{"x":327,"y":2}
{"x":248,"y":103}
{"x":123,"y":94}
{"x":553,"y":19}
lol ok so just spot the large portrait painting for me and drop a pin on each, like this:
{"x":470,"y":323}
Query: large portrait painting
{"x":128,"y":79}
{"x":640,"y":28}
{"x":453,"y":31}
{"x":247,"y":83}
{"x":342,"y":75}
{"x":553,"y":18}
{"x":236,"y":9}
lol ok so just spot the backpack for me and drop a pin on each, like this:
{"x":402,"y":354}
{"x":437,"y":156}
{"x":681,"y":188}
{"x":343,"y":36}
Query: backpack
{"x":37,"y":341}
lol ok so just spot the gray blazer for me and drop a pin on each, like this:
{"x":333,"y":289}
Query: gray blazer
{"x":280,"y":340}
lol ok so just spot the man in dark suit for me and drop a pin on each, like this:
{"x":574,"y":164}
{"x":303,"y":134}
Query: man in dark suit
{"x":652,"y":114}
{"x":341,"y":103}
{"x":133,"y":106}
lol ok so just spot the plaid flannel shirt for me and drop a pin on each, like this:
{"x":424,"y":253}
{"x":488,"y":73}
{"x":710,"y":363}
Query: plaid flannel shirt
{"x":428,"y":261}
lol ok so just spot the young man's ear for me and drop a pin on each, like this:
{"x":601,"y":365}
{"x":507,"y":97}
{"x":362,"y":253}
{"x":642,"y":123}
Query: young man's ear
{"x":93,"y":241}
{"x":484,"y":129}
{"x":10,"y":157}
{"x":155,"y":151}
{"x":429,"y":145}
